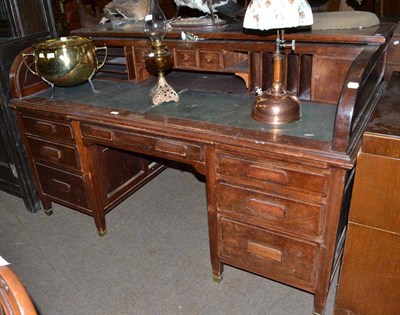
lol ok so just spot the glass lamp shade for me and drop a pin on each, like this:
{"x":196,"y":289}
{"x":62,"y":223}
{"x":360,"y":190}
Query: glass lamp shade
{"x":277,"y":14}
{"x":155,"y":26}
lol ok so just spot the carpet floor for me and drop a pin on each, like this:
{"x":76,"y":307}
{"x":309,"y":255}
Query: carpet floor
{"x":154,"y":259}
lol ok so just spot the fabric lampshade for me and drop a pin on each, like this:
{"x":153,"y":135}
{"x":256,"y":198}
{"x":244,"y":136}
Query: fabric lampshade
{"x":277,"y":14}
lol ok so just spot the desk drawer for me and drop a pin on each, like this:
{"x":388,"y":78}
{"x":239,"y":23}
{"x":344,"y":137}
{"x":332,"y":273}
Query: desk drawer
{"x":185,"y":59}
{"x":267,"y":172}
{"x":210,"y":60}
{"x":62,"y":155}
{"x":269,"y":210}
{"x":261,"y":251}
{"x":62,"y":186}
{"x":182,"y":150}
{"x":42,"y":127}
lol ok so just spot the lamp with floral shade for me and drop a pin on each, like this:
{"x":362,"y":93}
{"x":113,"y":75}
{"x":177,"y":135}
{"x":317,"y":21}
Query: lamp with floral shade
{"x":276,"y":105}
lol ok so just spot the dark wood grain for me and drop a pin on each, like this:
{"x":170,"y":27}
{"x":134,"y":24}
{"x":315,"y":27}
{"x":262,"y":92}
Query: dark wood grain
{"x":277,"y":198}
{"x":370,"y":274}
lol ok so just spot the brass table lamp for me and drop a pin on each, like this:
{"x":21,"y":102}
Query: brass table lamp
{"x":159,"y":60}
{"x":276,"y":105}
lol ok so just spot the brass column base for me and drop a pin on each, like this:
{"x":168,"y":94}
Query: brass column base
{"x":163,"y":92}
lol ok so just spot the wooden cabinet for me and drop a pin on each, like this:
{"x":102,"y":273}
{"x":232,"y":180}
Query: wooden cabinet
{"x":369,"y":281}
{"x":270,"y":210}
{"x":277,"y":197}
{"x":22,"y":23}
{"x":61,"y":171}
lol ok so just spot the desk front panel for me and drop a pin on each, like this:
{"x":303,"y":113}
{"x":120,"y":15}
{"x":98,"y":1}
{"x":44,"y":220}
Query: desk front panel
{"x":274,"y":194}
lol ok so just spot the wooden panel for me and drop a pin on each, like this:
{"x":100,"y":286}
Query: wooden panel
{"x":267,"y":253}
{"x":370,"y":274}
{"x":185,"y":59}
{"x":376,"y":194}
{"x":210,"y":60}
{"x":62,"y":155}
{"x":269,"y":210}
{"x":266,"y":172}
{"x":120,"y":167}
{"x":62,"y":186}
{"x":140,"y":54}
{"x":328,"y":74}
{"x":42,"y":127}
{"x":146,"y":143}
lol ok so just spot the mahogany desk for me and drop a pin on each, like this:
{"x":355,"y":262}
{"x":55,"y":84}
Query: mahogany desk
{"x":277,"y":197}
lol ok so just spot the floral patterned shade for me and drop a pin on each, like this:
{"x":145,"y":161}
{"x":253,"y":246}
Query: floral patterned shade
{"x":277,"y":14}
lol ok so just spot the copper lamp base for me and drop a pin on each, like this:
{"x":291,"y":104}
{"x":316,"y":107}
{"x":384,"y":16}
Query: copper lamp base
{"x":276,"y":108}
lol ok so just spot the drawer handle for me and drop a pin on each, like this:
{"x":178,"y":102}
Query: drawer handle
{"x":261,"y":206}
{"x":62,"y":186}
{"x":50,"y":152}
{"x":46,"y":127}
{"x":173,"y":148}
{"x":280,"y":177}
{"x":264,"y":251}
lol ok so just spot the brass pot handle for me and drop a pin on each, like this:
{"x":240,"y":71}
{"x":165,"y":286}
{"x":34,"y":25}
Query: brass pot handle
{"x":105,"y":56}
{"x":26,"y":64}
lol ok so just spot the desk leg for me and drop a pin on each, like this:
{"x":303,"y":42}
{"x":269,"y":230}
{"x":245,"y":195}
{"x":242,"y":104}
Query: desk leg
{"x":211,"y":186}
{"x":92,"y":174}
{"x":326,"y":265}
{"x":47,"y":206}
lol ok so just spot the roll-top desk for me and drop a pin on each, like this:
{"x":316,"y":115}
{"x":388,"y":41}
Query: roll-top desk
{"x":277,"y":197}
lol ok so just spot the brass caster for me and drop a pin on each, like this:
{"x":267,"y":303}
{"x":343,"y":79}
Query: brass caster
{"x":217,"y":279}
{"x":102,"y":233}
{"x":48,"y":212}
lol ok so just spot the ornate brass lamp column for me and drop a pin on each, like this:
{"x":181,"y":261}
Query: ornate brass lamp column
{"x":159,"y":60}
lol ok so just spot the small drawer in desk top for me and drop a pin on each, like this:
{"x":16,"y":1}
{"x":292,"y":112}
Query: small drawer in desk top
{"x":175,"y":149}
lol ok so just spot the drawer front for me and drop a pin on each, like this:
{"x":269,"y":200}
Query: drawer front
{"x":210,"y":60}
{"x":62,"y":155}
{"x":62,"y":186}
{"x":185,"y":59}
{"x":147,"y":144}
{"x":269,"y":210}
{"x":41,"y":127}
{"x":261,"y":172}
{"x":268,"y":254}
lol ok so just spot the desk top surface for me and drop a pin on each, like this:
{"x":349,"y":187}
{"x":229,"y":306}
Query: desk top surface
{"x":229,"y":111}
{"x":199,"y":116}
{"x":234,"y":31}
